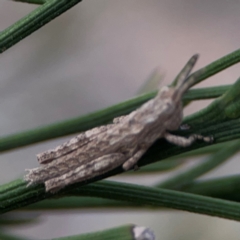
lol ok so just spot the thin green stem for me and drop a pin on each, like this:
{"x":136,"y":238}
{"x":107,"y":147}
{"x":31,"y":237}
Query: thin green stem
{"x":98,"y":118}
{"x":201,"y":151}
{"x":205,"y":93}
{"x":227,"y":188}
{"x":118,"y":233}
{"x":71,"y":126}
{"x":162,"y":166}
{"x":161,"y":149}
{"x":104,"y":116}
{"x":18,"y":219}
{"x":180,"y":180}
{"x":33,"y":21}
{"x":67,"y":203}
{"x":10,"y":237}
{"x":40,"y":2}
{"x":165,"y":198}
{"x":21,"y":196}
{"x":15,"y":195}
{"x":217,"y":66}
{"x":222,"y":109}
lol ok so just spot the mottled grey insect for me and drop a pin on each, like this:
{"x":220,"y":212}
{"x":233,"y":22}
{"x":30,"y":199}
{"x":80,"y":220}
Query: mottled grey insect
{"x":123,"y":142}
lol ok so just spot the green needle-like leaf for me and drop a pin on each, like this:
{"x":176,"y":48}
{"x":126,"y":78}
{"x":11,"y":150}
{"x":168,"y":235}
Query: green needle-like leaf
{"x":18,"y":219}
{"x":162,"y":166}
{"x":180,"y":180}
{"x":17,"y":195}
{"x":119,"y":233}
{"x":165,"y":198}
{"x":66,"y":203}
{"x":225,"y":108}
{"x":217,"y":66}
{"x":98,"y":118}
{"x":227,"y":188}
{"x":221,"y":119}
{"x":104,"y":116}
{"x":31,"y":1}
{"x":5,"y":236}
{"x":33,"y":21}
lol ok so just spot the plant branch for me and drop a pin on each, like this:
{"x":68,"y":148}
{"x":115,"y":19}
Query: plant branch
{"x":226,"y":188}
{"x":179,"y":181}
{"x":98,"y":118}
{"x":18,"y":195}
{"x":119,"y":233}
{"x":15,"y":195}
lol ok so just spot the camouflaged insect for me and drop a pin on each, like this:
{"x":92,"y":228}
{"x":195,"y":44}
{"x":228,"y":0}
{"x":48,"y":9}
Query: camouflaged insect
{"x":123,"y":142}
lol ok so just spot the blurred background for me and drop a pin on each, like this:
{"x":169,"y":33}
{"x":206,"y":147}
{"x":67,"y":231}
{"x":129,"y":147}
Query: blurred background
{"x":98,"y":54}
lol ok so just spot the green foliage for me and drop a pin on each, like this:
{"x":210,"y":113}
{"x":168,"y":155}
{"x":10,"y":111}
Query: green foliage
{"x":215,"y":197}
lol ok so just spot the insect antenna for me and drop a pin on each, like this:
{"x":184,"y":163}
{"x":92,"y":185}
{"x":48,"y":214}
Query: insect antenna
{"x":183,"y":81}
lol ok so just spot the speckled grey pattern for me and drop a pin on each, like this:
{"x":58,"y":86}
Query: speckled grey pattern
{"x":102,"y":149}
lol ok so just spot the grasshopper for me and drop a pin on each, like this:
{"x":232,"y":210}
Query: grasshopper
{"x":121,"y":143}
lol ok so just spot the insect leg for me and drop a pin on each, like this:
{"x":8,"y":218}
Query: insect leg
{"x":87,"y":171}
{"x":185,"y":142}
{"x":134,"y":159}
{"x":182,"y":76}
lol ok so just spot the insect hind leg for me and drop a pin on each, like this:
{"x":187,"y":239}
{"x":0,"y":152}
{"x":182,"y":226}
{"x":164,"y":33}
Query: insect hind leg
{"x":185,"y":142}
{"x":85,"y":172}
{"x":132,"y":162}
